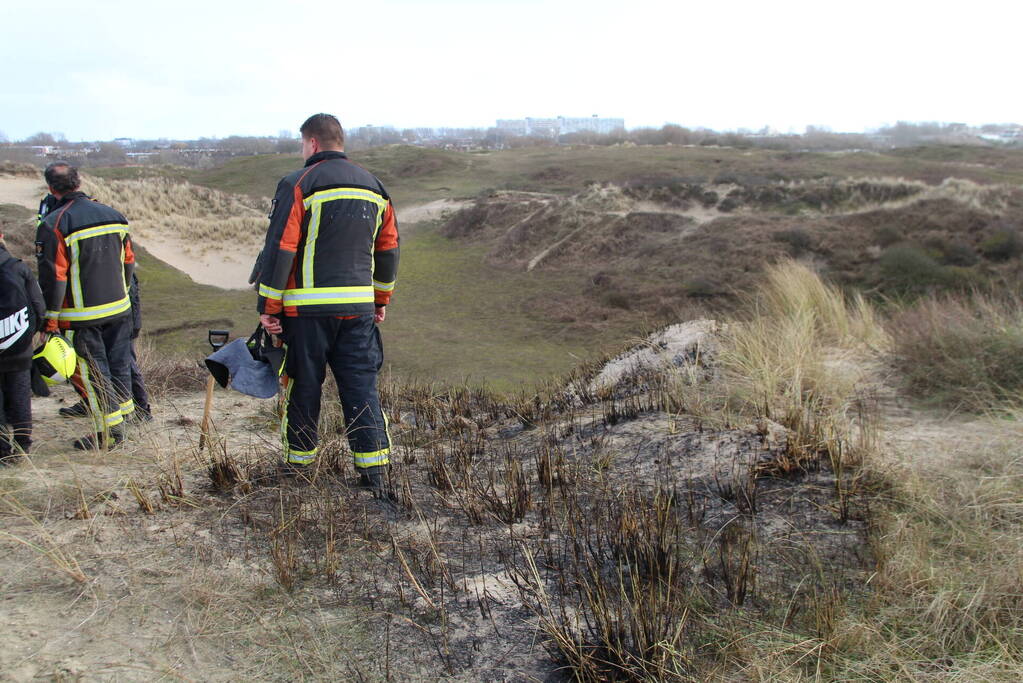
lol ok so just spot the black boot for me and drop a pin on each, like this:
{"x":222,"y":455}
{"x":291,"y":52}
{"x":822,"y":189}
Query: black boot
{"x":373,"y":477}
{"x":77,"y":410}
{"x":90,"y":442}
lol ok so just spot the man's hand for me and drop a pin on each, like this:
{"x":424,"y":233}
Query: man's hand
{"x":41,"y":337}
{"x":271,"y":323}
{"x":380,"y":314}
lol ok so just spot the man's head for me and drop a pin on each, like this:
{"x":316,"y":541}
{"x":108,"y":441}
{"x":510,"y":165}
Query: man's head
{"x":321,"y":133}
{"x":62,"y":178}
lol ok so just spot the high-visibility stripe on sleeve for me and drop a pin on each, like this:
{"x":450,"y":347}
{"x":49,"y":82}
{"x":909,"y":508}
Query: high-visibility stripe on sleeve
{"x":383,"y":286}
{"x":270,"y":292}
{"x":52,"y":315}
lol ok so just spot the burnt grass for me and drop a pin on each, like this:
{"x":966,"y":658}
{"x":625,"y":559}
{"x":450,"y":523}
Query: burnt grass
{"x":606,"y":535}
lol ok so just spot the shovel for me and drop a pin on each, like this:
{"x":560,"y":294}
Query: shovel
{"x":216,"y":338}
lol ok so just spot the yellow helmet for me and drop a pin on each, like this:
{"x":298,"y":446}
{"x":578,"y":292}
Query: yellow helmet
{"x":55,"y":360}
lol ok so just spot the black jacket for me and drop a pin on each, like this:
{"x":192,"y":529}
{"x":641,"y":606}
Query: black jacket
{"x":23,"y":360}
{"x":85,"y":262}
{"x":332,"y":245}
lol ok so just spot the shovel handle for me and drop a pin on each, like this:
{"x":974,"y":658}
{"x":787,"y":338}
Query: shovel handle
{"x":204,"y":429}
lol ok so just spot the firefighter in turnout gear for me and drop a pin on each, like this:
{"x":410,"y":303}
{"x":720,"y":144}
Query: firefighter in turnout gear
{"x":85,"y":262}
{"x":327,"y":271}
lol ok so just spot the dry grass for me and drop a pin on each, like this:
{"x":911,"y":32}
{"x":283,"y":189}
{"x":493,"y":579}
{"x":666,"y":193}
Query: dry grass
{"x":795,"y":561}
{"x":962,"y":352}
{"x":192,"y":213}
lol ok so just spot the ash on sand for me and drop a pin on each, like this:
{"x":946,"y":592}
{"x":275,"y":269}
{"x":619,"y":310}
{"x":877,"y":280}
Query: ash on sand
{"x":430,"y":584}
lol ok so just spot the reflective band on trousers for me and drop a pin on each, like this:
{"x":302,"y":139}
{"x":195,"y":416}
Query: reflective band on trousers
{"x":94,"y":312}
{"x":372,"y":459}
{"x":302,"y":457}
{"x":127,"y":407}
{"x":328,"y":295}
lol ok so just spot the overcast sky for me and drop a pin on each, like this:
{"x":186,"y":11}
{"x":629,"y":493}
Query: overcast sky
{"x":99,"y":69}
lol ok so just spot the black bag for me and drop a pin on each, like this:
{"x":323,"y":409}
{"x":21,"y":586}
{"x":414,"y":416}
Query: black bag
{"x":17,"y":315}
{"x":262,"y":349}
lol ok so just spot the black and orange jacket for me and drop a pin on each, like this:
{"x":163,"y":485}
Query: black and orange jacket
{"x":332,"y":245}
{"x":85,"y":260}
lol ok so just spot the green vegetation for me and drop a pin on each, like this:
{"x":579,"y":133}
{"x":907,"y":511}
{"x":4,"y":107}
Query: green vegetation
{"x":560,"y":254}
{"x":964,"y":352}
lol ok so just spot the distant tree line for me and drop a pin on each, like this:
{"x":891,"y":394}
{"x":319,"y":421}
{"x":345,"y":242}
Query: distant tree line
{"x":207,"y":152}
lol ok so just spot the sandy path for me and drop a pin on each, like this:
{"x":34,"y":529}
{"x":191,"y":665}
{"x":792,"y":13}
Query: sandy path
{"x":21,"y":191}
{"x":431,"y":211}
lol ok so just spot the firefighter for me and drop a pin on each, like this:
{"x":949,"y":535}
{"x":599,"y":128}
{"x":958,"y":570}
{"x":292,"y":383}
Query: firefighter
{"x":139,"y":394}
{"x":85,"y":261}
{"x":327,"y":271}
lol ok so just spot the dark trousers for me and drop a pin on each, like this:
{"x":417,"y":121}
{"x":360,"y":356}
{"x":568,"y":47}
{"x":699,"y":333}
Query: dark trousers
{"x":353,"y":351}
{"x":15,"y":411}
{"x":104,"y":379}
{"x":138,"y":386}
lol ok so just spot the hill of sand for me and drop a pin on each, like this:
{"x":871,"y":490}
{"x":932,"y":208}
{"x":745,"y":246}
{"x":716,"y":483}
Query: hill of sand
{"x":21,"y":191}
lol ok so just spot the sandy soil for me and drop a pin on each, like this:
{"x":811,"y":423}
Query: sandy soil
{"x":21,"y":191}
{"x":430,"y":211}
{"x":228,"y":269}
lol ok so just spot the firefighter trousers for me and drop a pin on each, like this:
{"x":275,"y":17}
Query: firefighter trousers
{"x":15,"y":411}
{"x":104,"y":379}
{"x":353,"y":351}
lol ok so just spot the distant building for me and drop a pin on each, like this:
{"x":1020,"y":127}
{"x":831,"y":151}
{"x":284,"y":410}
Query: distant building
{"x":124,"y":142}
{"x":553,"y":127}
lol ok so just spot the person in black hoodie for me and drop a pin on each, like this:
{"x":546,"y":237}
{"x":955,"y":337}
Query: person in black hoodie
{"x":16,"y":357}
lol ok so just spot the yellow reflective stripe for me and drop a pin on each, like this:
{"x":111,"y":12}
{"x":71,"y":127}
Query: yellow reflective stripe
{"x":108,"y":229}
{"x":270,"y":292}
{"x":127,"y":407}
{"x":373,"y":458}
{"x":383,"y":286}
{"x":52,"y":315}
{"x":74,"y":276}
{"x":114,"y":419}
{"x":328,"y":295}
{"x":344,"y":193}
{"x":93,"y":312}
{"x":90,"y":391}
{"x":315,"y":202}
{"x":301,"y":457}
{"x":312,"y":233}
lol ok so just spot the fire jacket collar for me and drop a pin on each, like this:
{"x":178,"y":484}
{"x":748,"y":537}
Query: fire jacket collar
{"x":69,"y":197}
{"x":321,"y":156}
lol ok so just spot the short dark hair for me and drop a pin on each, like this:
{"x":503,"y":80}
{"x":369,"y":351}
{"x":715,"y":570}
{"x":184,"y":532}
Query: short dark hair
{"x":325,"y":128}
{"x":62,"y":177}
